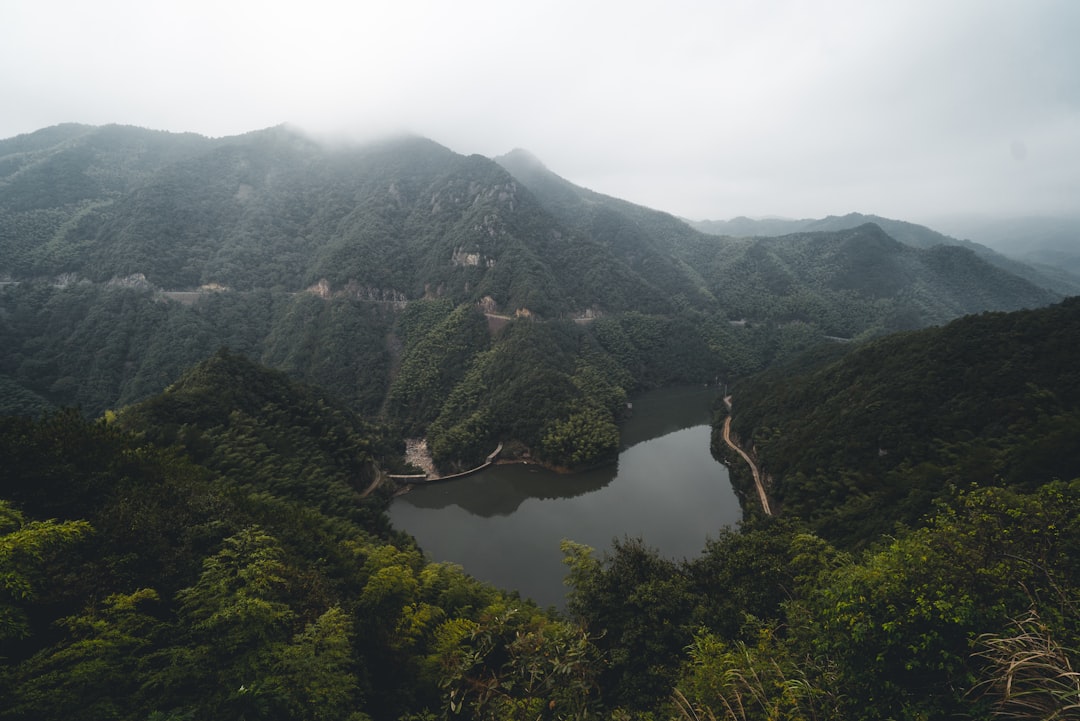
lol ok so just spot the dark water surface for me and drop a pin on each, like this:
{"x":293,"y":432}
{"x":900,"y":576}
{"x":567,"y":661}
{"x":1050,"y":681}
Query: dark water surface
{"x":504,"y":524}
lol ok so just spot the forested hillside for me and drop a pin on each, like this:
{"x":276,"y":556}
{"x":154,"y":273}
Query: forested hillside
{"x":211,"y":553}
{"x":859,"y":275}
{"x":240,"y":573}
{"x":1061,"y":278}
{"x":474,"y":303}
{"x":874,"y":438}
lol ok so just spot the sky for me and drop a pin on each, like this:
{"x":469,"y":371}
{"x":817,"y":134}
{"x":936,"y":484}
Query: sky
{"x":910,"y":109}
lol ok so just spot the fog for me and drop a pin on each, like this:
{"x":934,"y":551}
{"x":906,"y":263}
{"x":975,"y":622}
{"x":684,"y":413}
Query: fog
{"x":909,"y":109}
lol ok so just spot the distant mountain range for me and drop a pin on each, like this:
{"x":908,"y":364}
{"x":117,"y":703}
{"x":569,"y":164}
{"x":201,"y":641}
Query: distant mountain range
{"x":373,"y":271}
{"x":1019,"y":257}
{"x":1048,"y":243}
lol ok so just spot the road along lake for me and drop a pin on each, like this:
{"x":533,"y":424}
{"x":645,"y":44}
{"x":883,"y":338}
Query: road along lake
{"x":504,"y":524}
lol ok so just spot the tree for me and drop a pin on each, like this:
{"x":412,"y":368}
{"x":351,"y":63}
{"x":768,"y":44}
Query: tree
{"x":512,"y":665}
{"x":639,"y":607}
{"x":25,"y":549}
{"x":313,"y":675}
{"x":235,"y":617}
{"x":97,"y":670}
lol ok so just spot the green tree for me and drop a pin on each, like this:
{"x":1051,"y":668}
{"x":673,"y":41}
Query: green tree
{"x":521,"y":666}
{"x":97,"y":670}
{"x":314,"y":675}
{"x":25,"y":550}
{"x":639,"y":607}
{"x":236,"y":616}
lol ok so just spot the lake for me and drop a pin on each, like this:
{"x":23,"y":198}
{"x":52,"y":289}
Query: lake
{"x":504,"y":524}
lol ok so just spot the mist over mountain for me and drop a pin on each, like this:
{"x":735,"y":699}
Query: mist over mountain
{"x":372,"y":270}
{"x":1062,"y":278}
{"x":1047,"y":242}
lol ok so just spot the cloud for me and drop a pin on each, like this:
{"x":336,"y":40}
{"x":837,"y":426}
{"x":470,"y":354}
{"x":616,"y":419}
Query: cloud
{"x":704,"y":109}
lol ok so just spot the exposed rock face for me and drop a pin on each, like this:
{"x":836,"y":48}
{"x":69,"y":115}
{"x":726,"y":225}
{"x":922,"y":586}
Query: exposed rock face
{"x":417,"y":454}
{"x":587,"y":315}
{"x":135,"y":280}
{"x":461,"y":258}
{"x":355,"y":291}
{"x":321,"y":289}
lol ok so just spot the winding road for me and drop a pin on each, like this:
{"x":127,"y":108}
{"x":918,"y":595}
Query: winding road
{"x":753,"y":466}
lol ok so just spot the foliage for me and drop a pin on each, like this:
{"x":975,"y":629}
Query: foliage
{"x":639,"y":607}
{"x":25,"y":550}
{"x":873,"y":438}
{"x":229,"y":590}
{"x":514,"y":667}
{"x":738,"y":682}
{"x":436,"y":357}
{"x":1030,"y":676}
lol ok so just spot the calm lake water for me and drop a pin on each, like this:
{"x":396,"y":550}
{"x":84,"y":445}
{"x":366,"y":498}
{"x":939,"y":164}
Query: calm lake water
{"x":504,"y":524}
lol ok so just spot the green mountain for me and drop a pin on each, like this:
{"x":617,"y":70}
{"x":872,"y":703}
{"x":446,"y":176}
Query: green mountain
{"x":1061,"y":280}
{"x":218,"y":551}
{"x":473,"y":301}
{"x":1049,"y":243}
{"x":835,"y":274}
{"x":876,"y":437}
{"x":212,"y":552}
{"x":272,"y":209}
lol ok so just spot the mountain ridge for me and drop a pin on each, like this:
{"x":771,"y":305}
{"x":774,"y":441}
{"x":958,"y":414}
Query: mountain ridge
{"x":1055,"y":279}
{"x":338,"y":263}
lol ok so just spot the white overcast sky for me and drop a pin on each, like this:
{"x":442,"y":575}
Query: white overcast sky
{"x":905,"y":108}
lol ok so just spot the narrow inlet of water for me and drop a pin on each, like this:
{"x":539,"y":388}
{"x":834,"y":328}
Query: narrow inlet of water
{"x":504,"y":524}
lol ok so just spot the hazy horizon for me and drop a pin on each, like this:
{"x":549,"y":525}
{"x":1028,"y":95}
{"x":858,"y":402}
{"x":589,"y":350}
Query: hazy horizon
{"x":909,"y":110}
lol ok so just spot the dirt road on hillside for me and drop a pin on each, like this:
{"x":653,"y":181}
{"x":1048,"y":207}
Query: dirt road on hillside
{"x":753,"y":466}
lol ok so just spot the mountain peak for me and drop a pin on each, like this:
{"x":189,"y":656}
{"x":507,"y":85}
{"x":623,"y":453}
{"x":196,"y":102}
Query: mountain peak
{"x":523,"y":159}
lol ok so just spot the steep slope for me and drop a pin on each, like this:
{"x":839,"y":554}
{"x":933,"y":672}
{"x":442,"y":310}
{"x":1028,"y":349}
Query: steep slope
{"x":54,"y":180}
{"x":271,"y":209}
{"x":871,"y":439}
{"x":636,"y":245}
{"x":844,"y":275}
{"x":316,"y":259}
{"x":860,"y":281}
{"x":1049,"y":243}
{"x":241,"y":572}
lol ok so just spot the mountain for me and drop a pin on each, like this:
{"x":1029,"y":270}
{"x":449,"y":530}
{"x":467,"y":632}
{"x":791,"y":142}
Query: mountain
{"x":861,"y":280}
{"x":218,"y":551}
{"x":847,"y":275}
{"x":472,"y":301}
{"x":646,"y":243}
{"x":272,"y":209}
{"x":217,"y":547}
{"x":1050,"y":243}
{"x":874,"y":438}
{"x":1060,"y":280}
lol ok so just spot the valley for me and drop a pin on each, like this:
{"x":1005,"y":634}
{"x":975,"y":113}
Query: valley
{"x":194,"y":497}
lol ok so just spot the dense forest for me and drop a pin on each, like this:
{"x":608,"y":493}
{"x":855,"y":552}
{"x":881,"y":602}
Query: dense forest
{"x":876,"y":437}
{"x":213,"y":552}
{"x":1036,"y":240}
{"x":128,"y":256}
{"x":213,"y":350}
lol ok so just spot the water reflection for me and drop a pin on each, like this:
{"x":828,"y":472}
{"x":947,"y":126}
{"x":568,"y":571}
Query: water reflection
{"x":500,"y":490}
{"x":504,"y":524}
